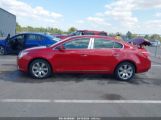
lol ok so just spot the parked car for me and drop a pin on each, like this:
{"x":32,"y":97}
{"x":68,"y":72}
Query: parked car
{"x":81,"y":32}
{"x":155,"y":43}
{"x":22,"y":41}
{"x":85,"y":54}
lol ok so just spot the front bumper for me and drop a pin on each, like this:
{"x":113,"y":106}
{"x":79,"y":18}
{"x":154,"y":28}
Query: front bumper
{"x":22,"y":64}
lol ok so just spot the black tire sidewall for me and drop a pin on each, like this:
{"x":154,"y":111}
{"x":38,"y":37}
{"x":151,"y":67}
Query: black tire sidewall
{"x":43,"y":61}
{"x":125,"y":63}
{"x":3,"y":49}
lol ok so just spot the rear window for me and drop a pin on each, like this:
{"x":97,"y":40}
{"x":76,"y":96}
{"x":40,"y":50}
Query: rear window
{"x":33,"y":37}
{"x":118,"y":45}
{"x":101,"y":43}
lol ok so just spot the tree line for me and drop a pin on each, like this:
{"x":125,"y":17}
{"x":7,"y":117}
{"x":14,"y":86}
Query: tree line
{"x":149,"y":37}
{"x":129,"y":35}
{"x":50,"y":30}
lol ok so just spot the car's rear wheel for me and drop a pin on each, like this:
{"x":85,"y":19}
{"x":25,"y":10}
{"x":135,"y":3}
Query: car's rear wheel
{"x":125,"y":71}
{"x":2,"y":50}
{"x":40,"y":69}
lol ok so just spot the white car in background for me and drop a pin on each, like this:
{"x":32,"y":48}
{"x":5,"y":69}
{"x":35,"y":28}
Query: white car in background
{"x":155,"y":43}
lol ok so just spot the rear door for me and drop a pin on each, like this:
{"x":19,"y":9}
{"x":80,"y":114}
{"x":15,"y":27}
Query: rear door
{"x":32,"y":40}
{"x":102,"y":57}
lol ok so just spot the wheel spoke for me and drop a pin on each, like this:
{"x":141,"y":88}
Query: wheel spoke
{"x":40,"y":69}
{"x":1,"y":50}
{"x":125,"y":71}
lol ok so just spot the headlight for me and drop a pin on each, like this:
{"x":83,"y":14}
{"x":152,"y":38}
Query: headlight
{"x":21,"y":54}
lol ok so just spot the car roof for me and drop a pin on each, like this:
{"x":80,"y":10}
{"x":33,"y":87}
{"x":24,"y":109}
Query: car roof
{"x":91,"y":36}
{"x":28,"y":33}
{"x":90,"y":31}
{"x":95,"y":36}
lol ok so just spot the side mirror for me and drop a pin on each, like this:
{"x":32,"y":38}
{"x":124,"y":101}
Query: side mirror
{"x":60,"y":48}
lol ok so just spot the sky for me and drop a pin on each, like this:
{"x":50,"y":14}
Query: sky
{"x":137,"y":16}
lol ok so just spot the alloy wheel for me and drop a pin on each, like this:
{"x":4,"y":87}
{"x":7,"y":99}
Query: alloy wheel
{"x":125,"y":71}
{"x":40,"y":69}
{"x":2,"y":51}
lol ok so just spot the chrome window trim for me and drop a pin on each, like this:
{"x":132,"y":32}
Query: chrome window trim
{"x":89,"y":45}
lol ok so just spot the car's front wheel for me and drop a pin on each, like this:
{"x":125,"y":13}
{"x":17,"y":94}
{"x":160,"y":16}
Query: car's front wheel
{"x":125,"y":71}
{"x":40,"y":69}
{"x":2,"y":50}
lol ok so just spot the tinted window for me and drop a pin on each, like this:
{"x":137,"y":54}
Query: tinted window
{"x":118,"y":45}
{"x":39,"y":37}
{"x":34,"y":37}
{"x":101,"y":43}
{"x":103,"y":34}
{"x":19,"y":38}
{"x":77,"y":44}
{"x":88,"y":33}
{"x":77,"y":33}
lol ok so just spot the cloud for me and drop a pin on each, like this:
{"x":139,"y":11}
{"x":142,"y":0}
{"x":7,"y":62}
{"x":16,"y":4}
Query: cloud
{"x":154,"y":24}
{"x":158,"y":14}
{"x":24,"y":12}
{"x":122,"y":10}
{"x":98,"y":21}
{"x":121,"y":15}
{"x":146,"y":4}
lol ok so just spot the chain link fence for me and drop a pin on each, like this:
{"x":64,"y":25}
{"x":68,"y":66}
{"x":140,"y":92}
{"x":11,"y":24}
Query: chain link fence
{"x":155,"y":51}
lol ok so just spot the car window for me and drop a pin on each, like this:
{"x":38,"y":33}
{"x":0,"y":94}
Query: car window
{"x":33,"y":37}
{"x":18,"y":38}
{"x":101,"y":43}
{"x":77,"y":44}
{"x":77,"y":33}
{"x":88,"y":33}
{"x":39,"y":37}
{"x":118,"y":45}
{"x":103,"y":34}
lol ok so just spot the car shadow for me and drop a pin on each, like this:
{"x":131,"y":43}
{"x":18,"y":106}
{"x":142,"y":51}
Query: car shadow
{"x":102,"y":79}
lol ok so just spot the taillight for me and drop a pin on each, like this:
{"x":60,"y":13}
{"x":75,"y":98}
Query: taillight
{"x":146,"y":54}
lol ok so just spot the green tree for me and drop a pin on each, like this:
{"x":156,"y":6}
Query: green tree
{"x":147,"y":37}
{"x":51,"y":30}
{"x":18,"y":28}
{"x":72,"y":29}
{"x":129,"y":35}
{"x":155,"y":37}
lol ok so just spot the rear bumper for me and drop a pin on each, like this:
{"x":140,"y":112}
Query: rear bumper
{"x":144,"y":66}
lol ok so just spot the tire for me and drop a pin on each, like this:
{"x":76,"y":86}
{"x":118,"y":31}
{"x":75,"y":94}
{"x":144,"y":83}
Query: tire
{"x":2,"y":50}
{"x":125,"y":71}
{"x":40,"y":69}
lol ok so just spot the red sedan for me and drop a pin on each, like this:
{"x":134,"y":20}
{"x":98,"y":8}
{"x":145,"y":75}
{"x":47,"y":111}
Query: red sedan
{"x":85,"y":54}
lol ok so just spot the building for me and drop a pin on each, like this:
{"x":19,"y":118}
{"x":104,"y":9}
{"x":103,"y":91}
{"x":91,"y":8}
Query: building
{"x":7,"y":23}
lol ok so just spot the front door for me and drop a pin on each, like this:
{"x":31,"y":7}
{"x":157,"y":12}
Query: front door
{"x":15,"y":44}
{"x":72,"y":58}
